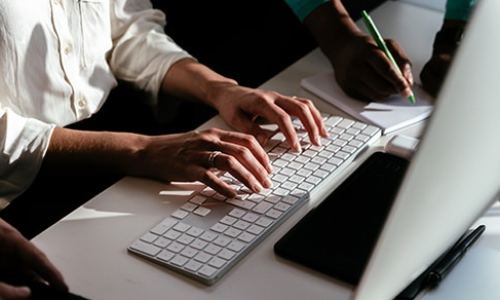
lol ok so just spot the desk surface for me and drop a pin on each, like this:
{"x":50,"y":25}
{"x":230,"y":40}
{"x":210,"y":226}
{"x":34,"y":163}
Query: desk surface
{"x":89,"y":246}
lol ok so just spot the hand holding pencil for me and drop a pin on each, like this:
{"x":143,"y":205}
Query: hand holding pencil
{"x":382,"y":45}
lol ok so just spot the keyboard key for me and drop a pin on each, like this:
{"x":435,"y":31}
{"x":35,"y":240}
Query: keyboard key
{"x":145,"y":248}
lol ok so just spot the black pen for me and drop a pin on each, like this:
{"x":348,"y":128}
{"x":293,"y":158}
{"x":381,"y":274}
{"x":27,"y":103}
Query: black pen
{"x":456,"y":253}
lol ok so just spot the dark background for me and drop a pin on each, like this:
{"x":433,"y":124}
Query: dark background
{"x":250,"y":41}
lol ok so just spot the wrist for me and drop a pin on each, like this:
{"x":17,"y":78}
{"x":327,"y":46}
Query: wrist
{"x":449,"y":37}
{"x":216,"y":90}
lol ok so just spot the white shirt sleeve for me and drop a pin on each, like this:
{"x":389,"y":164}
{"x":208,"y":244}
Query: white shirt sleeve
{"x":142,"y":52}
{"x":59,"y":63}
{"x":23,"y":142}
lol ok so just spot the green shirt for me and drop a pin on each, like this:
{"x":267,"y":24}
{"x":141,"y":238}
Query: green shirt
{"x":302,"y":8}
{"x":455,"y":9}
{"x":459,"y":9}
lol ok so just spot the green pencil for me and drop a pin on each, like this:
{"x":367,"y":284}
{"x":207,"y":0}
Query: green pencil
{"x":381,"y":44}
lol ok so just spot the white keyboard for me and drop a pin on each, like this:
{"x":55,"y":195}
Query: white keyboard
{"x":209,"y":233}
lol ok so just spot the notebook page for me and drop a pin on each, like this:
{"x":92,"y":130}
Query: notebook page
{"x":393,"y":114}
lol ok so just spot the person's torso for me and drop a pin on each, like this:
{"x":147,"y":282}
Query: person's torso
{"x":53,"y":58}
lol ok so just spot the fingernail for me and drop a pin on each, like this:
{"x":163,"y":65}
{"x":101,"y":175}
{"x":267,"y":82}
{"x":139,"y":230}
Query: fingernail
{"x":297,"y":147}
{"x":324,"y":131}
{"x":408,"y":74}
{"x":407,"y":92}
{"x":268,"y":183}
{"x":317,"y":140}
{"x":257,"y":187}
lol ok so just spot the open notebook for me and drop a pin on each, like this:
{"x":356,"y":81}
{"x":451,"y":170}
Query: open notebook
{"x":453,"y":177}
{"x":391,"y":115}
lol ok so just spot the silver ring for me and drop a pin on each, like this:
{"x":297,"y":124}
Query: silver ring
{"x":211,"y":158}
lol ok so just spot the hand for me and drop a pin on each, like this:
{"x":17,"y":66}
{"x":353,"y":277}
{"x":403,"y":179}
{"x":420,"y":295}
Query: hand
{"x":364,"y":72}
{"x":445,"y":44}
{"x":240,"y":107}
{"x":434,"y":72}
{"x":186,"y":157}
{"x":21,"y":259}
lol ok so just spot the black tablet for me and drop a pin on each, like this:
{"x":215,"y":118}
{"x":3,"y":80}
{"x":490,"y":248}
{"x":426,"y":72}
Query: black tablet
{"x":337,"y":236}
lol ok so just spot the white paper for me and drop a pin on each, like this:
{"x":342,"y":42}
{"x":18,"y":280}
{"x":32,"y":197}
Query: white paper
{"x":392,"y":114}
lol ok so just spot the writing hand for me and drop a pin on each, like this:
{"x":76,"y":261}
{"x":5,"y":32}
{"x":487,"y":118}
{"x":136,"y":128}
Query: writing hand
{"x":364,"y":72}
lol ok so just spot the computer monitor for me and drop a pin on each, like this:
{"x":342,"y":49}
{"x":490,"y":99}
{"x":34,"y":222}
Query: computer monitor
{"x":454,"y":176}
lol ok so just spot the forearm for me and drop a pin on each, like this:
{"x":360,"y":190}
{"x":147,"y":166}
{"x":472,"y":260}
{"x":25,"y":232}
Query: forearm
{"x":193,"y":81}
{"x":449,"y":37}
{"x":111,"y":152}
{"x":456,"y":15}
{"x":330,"y":25}
{"x":446,"y":42}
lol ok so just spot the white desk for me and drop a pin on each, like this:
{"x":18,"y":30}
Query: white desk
{"x":89,"y":246}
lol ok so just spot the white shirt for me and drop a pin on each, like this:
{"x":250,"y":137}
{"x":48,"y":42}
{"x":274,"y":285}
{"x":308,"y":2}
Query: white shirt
{"x":59,"y":59}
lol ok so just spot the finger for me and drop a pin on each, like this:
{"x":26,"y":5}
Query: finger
{"x":38,"y":263}
{"x":402,"y":60}
{"x":231,"y":165}
{"x":215,"y":139}
{"x":366,"y":84}
{"x":371,"y":78}
{"x":14,"y":292}
{"x":309,"y":116}
{"x":243,"y":165}
{"x":242,"y":156}
{"x":385,"y":70}
{"x":216,"y":183}
{"x":248,"y":125}
{"x":277,"y":115}
{"x":230,"y":139}
{"x":243,"y":174}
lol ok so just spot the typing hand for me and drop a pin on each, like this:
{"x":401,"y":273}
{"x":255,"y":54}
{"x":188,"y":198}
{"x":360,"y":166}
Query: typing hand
{"x":190,"y":156}
{"x":364,"y":72}
{"x":21,"y":260}
{"x":240,"y":107}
